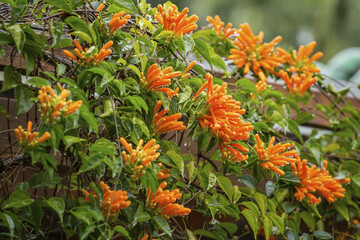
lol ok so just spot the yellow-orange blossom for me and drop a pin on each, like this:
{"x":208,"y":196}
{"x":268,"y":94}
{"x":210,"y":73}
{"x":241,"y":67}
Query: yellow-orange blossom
{"x":222,"y":114}
{"x":177,"y":22}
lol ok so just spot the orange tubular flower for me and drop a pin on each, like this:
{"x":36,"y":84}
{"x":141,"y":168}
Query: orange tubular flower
{"x":298,"y":84}
{"x":299,"y":68}
{"x":55,"y":106}
{"x":253,"y":54}
{"x":139,"y":158}
{"x":156,"y":80}
{"x":163,"y":124}
{"x":146,"y":237}
{"x":222,"y":114}
{"x":117,"y":21}
{"x":185,"y":73}
{"x":317,"y":180}
{"x":162,"y":174}
{"x":82,"y":60}
{"x":177,"y":22}
{"x":275,"y":156}
{"x":112,"y":201}
{"x":218,"y":26}
{"x":28,"y":139}
{"x":163,"y":202}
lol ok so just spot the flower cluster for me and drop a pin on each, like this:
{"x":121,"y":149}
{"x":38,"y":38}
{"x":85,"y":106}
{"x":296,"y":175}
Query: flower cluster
{"x":163,"y":202}
{"x":222,"y":114}
{"x":28,"y":139}
{"x":117,"y":21}
{"x":218,"y":26}
{"x":112,"y":201}
{"x":315,"y":180}
{"x":163,"y":173}
{"x":299,"y":69}
{"x":177,"y":22}
{"x":252,"y":53}
{"x":55,"y":106}
{"x":163,"y":124}
{"x":276,"y":156}
{"x":140,"y":158}
{"x":84,"y":58}
{"x":156,"y":80}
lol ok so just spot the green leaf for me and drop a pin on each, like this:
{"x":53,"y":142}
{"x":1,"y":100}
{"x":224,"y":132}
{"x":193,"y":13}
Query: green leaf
{"x":89,"y":118}
{"x":125,"y":4}
{"x":177,"y":160}
{"x":10,"y":2}
{"x":70,"y":140}
{"x":92,"y":162}
{"x":203,"y":140}
{"x":316,"y":151}
{"x":56,"y":32}
{"x":247,"y":86}
{"x":268,"y":227}
{"x":249,"y":181}
{"x":7,"y":220}
{"x":149,"y":179}
{"x":141,"y":102}
{"x":277,"y":221}
{"x":163,"y":224}
{"x":44,"y":179}
{"x":122,"y":232}
{"x":58,"y":205}
{"x":322,"y":235}
{"x":19,"y":198}
{"x":83,"y":36}
{"x":23,"y":96}
{"x":4,"y":112}
{"x":134,"y":102}
{"x":251,"y":219}
{"x":141,"y":215}
{"x":261,"y":202}
{"x":18,"y":35}
{"x":225,"y":185}
{"x":294,"y":128}
{"x":32,"y":214}
{"x":87,"y":214}
{"x":270,"y":188}
{"x":304,"y":117}
{"x":192,"y":171}
{"x":190,"y":235}
{"x":61,"y":4}
{"x":11,"y":79}
{"x":104,"y":146}
{"x":185,"y":95}
{"x":343,"y":210}
{"x":189,"y":43}
{"x":203,"y":178}
{"x":135,"y":69}
{"x":253,"y":207}
{"x":308,"y":219}
{"x":38,"y":82}
{"x":202,"y":48}
{"x":236,"y":194}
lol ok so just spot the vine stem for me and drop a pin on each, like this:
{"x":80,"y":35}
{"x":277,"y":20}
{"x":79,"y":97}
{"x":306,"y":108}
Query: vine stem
{"x":121,"y":159}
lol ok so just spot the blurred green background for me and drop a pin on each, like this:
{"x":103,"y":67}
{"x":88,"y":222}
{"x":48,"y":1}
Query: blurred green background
{"x":333,"y":24}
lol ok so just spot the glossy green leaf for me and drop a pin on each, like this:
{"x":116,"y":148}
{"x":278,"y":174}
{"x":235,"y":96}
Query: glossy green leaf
{"x":277,"y":221}
{"x":322,"y":235}
{"x":163,"y":224}
{"x":177,"y":159}
{"x":23,"y":97}
{"x":343,"y":210}
{"x":11,"y":79}
{"x":44,"y":179}
{"x":251,"y":218}
{"x":122,"y":231}
{"x":125,"y":4}
{"x":247,"y":86}
{"x":91,"y":162}
{"x":9,"y":223}
{"x":18,"y":35}
{"x":61,"y":4}
{"x":268,"y":227}
{"x":58,"y":205}
{"x":204,"y":179}
{"x":316,"y":151}
{"x":38,"y":82}
{"x":261,"y":202}
{"x":19,"y":198}
{"x":225,"y":185}
{"x":141,"y":215}
{"x":294,"y":128}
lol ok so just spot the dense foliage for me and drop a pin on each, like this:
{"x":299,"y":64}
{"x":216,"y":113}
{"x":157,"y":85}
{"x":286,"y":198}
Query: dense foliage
{"x":150,"y":129}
